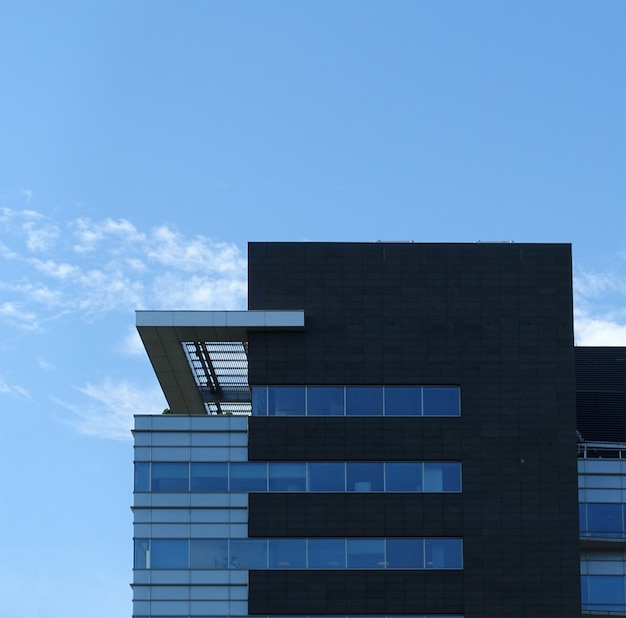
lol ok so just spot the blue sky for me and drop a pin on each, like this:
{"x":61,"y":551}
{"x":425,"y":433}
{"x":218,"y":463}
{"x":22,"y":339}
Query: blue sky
{"x":144,"y":143}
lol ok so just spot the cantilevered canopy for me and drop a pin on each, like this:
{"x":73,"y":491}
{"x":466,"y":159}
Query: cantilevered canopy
{"x":201,"y":357}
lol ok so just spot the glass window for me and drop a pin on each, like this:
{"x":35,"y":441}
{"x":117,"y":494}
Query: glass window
{"x":326,"y":476}
{"x":442,"y":476}
{"x":286,"y":400}
{"x":606,"y":592}
{"x":259,"y":400}
{"x":364,"y":400}
{"x":442,"y":401}
{"x":404,"y":477}
{"x":248,"y":554}
{"x":605,"y":519}
{"x":209,"y":477}
{"x":403,"y":401}
{"x":325,"y":401}
{"x":405,"y":553}
{"x":287,"y":476}
{"x":208,"y":554}
{"x":365,"y":476}
{"x":366,"y":553}
{"x":170,"y":477}
{"x":287,"y":553}
{"x":444,"y":553}
{"x":142,"y":477}
{"x":142,"y":554}
{"x":169,"y":554}
{"x":327,"y":553}
{"x":248,"y":476}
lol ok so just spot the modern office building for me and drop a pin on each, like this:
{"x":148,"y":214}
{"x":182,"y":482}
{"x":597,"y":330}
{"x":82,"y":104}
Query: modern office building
{"x":601,"y":408}
{"x":389,"y":430}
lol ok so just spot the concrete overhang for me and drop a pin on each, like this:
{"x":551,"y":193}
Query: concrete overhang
{"x":165,"y":333}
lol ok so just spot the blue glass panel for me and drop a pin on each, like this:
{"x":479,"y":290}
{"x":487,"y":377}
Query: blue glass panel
{"x":364,"y":400}
{"x":442,"y":476}
{"x":209,"y":477}
{"x":287,"y":553}
{"x":169,"y":554}
{"x":405,"y":553}
{"x":141,"y":553}
{"x":366,"y":553}
{"x":287,"y":476}
{"x":444,"y":553}
{"x":259,"y":400}
{"x":403,"y":477}
{"x":403,"y":401}
{"x":286,"y":400}
{"x":604,"y":520}
{"x":208,"y":554}
{"x":606,"y":592}
{"x":248,"y":476}
{"x":170,"y":477}
{"x":248,"y":554}
{"x":327,"y":553}
{"x":365,"y":476}
{"x":325,"y":401}
{"x":442,"y":401}
{"x":142,"y":477}
{"x":327,"y":476}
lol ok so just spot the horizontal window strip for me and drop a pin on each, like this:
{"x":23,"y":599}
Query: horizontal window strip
{"x":244,"y":477}
{"x":441,"y":400}
{"x":328,"y":554}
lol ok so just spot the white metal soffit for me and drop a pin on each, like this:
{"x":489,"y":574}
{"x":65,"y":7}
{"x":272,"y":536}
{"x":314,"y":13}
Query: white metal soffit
{"x":201,"y":357}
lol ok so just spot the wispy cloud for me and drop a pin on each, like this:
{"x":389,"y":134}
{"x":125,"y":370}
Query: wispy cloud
{"x":13,"y":390}
{"x":90,"y":267}
{"x":600,"y":307}
{"x":106,"y":409}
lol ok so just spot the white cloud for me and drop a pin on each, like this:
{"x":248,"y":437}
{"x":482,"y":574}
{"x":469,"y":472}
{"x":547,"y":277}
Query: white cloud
{"x":109,"y":407}
{"x":600,"y":308}
{"x":88,"y":268}
{"x":599,"y":332}
{"x":13,"y":390}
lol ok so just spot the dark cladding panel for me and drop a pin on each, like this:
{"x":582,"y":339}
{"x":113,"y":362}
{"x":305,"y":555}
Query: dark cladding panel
{"x":345,"y":515}
{"x":355,"y":592}
{"x":601,"y":393}
{"x":353,"y":439}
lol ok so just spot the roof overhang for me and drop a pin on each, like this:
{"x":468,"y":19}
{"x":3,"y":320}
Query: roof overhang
{"x":200,"y":357}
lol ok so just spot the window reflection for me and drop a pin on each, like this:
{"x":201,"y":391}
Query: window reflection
{"x":364,"y":400}
{"x":209,"y":477}
{"x":441,"y":401}
{"x":248,"y":476}
{"x":405,"y":553}
{"x":443,"y":553}
{"x":327,"y":554}
{"x":287,"y":553}
{"x":404,"y":476}
{"x":286,"y":400}
{"x":325,"y":401}
{"x":142,"y":477}
{"x":287,"y":477}
{"x":170,"y":477}
{"x":403,"y":401}
{"x":366,"y":553}
{"x":365,"y":476}
{"x":326,"y":476}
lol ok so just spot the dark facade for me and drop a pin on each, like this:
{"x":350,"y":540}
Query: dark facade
{"x":601,"y":393}
{"x":494,"y":319}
